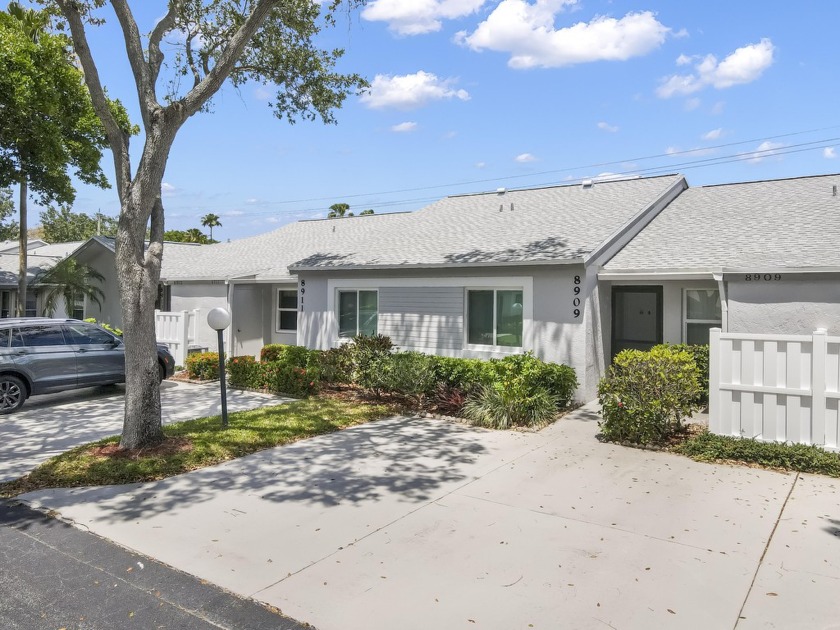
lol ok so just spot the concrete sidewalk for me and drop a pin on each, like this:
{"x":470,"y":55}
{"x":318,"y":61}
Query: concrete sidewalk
{"x":416,"y":523}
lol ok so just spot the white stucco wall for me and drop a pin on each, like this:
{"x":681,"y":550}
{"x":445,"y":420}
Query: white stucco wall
{"x":202,"y":296}
{"x":551,"y":329}
{"x":792,"y":305}
{"x":102,"y":260}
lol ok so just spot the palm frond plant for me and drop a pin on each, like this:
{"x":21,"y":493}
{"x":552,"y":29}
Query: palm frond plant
{"x":70,"y":280}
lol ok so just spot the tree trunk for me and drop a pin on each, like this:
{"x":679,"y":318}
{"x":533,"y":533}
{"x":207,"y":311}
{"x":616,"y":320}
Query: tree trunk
{"x":23,"y":245}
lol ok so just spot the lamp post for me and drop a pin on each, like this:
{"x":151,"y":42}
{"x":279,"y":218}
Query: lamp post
{"x":219,"y":319}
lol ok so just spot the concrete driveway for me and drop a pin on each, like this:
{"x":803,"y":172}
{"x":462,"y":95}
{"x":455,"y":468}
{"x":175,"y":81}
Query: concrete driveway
{"x":414,"y":523}
{"x":51,"y":424}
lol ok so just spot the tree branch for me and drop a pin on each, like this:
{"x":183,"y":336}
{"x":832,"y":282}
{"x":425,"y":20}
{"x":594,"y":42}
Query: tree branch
{"x":117,"y":137}
{"x":139,"y":67}
{"x":191,"y":60}
{"x":160,"y":29}
{"x":210,"y":84}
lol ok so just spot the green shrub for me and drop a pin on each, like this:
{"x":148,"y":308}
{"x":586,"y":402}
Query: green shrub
{"x":499,"y":407}
{"x":799,"y":457}
{"x":203,"y":366}
{"x":106,"y":326}
{"x":282,"y":378}
{"x":369,"y":355}
{"x":646,"y":395}
{"x":297,"y":356}
{"x":529,"y":373}
{"x":411,"y":374}
{"x":701,"y":359}
{"x":244,"y":372}
{"x":466,"y":375}
{"x":335,"y":364}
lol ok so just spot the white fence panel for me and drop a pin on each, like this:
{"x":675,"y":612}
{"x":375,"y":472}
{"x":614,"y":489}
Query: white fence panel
{"x":177,"y":330}
{"x":775,"y":388}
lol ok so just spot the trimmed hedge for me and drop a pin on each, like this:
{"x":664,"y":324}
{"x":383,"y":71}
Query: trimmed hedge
{"x":298,"y":356}
{"x":646,"y":395}
{"x":203,"y":366}
{"x":466,"y":375}
{"x":701,"y":360}
{"x":275,"y":376}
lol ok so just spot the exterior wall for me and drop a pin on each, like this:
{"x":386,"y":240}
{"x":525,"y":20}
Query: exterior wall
{"x":201,"y":296}
{"x":425,"y":310}
{"x":792,"y":305}
{"x":102,"y":260}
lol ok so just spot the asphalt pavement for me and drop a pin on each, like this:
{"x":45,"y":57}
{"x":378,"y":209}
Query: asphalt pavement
{"x":53,"y":575}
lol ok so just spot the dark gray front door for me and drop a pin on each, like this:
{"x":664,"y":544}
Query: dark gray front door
{"x":636,"y":318}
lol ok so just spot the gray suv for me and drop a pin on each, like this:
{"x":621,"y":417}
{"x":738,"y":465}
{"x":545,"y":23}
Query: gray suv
{"x":40,"y":355}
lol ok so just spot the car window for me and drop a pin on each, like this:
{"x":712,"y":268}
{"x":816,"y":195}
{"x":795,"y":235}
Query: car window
{"x":41,"y":335}
{"x":5,"y":334}
{"x":87,"y":335}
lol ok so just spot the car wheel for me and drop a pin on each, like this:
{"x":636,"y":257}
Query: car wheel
{"x":12,"y":393}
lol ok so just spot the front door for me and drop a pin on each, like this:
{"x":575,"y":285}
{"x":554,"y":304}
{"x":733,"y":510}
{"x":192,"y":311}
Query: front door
{"x":636,"y":318}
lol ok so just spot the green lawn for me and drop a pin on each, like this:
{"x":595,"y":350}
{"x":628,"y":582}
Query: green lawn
{"x":195,"y":444}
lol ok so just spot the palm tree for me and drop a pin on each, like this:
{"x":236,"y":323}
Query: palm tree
{"x":211,"y":220}
{"x":69,"y":280}
{"x":194,"y":235}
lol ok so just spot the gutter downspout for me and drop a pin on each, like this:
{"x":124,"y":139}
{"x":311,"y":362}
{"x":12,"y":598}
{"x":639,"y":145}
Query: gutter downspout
{"x":724,"y":302}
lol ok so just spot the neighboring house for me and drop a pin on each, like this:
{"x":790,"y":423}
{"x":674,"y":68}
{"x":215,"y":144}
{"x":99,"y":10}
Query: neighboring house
{"x":756,"y":257}
{"x":40,"y":257}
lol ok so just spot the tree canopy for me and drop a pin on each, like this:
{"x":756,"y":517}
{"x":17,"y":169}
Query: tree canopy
{"x":192,"y":235}
{"x":68,"y":280}
{"x":211,"y":220}
{"x":9,"y":229}
{"x":64,"y":225}
{"x":338,"y":210}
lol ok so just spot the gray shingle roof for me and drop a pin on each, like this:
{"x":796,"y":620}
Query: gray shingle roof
{"x":782,"y":223}
{"x":35,"y":266}
{"x":560,"y":223}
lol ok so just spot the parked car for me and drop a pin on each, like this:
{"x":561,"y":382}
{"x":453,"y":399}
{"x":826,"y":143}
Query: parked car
{"x":39,"y":355}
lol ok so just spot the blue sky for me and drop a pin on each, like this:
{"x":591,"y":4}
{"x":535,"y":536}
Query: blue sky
{"x":471,"y":95}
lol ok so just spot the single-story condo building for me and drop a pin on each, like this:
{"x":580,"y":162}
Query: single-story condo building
{"x":572,"y":273}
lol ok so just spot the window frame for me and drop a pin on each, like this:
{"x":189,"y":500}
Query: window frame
{"x":355,"y":290}
{"x":495,"y":347}
{"x":278,"y":310}
{"x":685,"y":319}
{"x":79,"y":304}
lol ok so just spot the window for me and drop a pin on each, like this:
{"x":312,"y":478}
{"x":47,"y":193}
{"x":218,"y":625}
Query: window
{"x":31,"y":304}
{"x":287,"y":305}
{"x":34,"y":336}
{"x":702,"y":312}
{"x":78,"y":307}
{"x":5,"y":304}
{"x":87,"y":335}
{"x":357,"y":313}
{"x":494,"y":317}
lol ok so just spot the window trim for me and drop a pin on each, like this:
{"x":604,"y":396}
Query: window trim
{"x":76,"y":300}
{"x":491,"y":347}
{"x":278,"y":309}
{"x":355,"y":290}
{"x":685,"y":319}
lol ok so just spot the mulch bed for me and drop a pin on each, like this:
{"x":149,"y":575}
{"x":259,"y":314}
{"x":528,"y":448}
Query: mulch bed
{"x":169,"y":446}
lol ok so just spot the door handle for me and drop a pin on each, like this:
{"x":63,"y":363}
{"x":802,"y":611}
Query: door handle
{"x":82,"y":350}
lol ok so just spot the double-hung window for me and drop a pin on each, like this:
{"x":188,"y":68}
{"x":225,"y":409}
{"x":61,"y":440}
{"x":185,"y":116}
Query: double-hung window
{"x":357,"y":312}
{"x":287,"y":310}
{"x":494,"y":317}
{"x":701,"y":313}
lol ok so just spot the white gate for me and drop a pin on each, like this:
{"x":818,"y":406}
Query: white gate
{"x":775,"y":388}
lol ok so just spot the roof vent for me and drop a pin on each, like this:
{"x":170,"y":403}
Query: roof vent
{"x":587,"y":183}
{"x":834,"y":190}
{"x":501,"y":191}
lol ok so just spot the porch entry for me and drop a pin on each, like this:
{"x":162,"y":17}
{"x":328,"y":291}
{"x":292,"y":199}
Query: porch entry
{"x":636,"y":318}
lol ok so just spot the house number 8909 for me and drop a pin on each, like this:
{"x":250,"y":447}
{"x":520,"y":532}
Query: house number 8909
{"x":576,"y":300}
{"x":754,"y":277}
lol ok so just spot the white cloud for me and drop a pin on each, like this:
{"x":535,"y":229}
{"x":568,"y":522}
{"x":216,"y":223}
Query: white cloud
{"x":717,"y":108}
{"x":684,"y":60}
{"x":523,"y":158}
{"x":233,"y":213}
{"x":672,"y":150}
{"x":263,"y":93}
{"x":714,"y":134}
{"x":410,"y":91}
{"x":745,"y":65}
{"x":416,"y":17}
{"x":252,"y":200}
{"x":480,"y":164}
{"x":603,"y":126}
{"x":527,"y":31}
{"x":450,"y":134}
{"x":404,"y":127}
{"x":764,"y":150}
{"x":829,"y":153}
{"x":167,"y":189}
{"x":692,"y":104}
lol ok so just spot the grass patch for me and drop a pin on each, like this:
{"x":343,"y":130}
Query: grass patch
{"x":707,"y":447}
{"x":194,"y":444}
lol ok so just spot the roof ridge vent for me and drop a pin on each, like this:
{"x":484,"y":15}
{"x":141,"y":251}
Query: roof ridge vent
{"x":587,"y":183}
{"x":501,"y":190}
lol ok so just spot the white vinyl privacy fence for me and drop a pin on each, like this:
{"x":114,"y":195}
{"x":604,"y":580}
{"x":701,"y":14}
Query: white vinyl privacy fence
{"x":177,"y":329}
{"x":775,"y":388}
